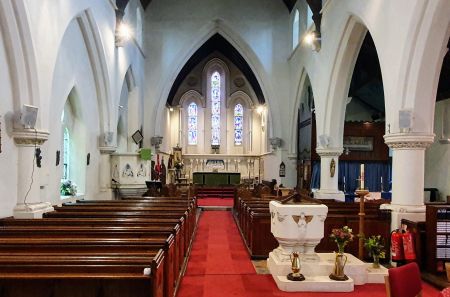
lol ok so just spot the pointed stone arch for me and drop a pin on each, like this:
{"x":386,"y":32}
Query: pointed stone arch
{"x":96,"y":53}
{"x":431,"y":43}
{"x":219,"y":27}
{"x":341,"y":75}
{"x":304,"y":81}
{"x":20,"y":52}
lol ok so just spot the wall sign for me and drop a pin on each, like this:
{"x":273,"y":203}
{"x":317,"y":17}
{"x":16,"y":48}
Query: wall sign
{"x":358,"y":143}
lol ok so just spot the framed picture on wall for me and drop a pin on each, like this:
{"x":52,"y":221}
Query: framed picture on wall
{"x":358,"y":143}
{"x":177,"y":154}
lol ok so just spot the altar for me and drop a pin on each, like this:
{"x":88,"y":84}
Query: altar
{"x":216,"y":179}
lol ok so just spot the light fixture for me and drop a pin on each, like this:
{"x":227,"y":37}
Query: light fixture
{"x":260,"y":109}
{"x":170,"y":109}
{"x":346,"y":151}
{"x":124,"y":33}
{"x":314,"y":40}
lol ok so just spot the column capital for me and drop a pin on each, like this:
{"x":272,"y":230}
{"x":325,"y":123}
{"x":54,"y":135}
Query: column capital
{"x":409,"y":141}
{"x":107,"y":150}
{"x":30,"y":137}
{"x":330,"y":151}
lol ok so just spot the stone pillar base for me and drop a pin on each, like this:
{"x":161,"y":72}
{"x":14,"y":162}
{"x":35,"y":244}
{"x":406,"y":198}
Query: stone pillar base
{"x":324,"y":194}
{"x":415,"y":213}
{"x":32,"y":210}
{"x":106,"y":194}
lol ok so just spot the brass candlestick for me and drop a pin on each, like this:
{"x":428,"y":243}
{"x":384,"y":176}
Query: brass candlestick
{"x":361,"y":193}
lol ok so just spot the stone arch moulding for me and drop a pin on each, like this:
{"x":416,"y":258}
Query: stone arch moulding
{"x":194,"y":96}
{"x":130,"y":78}
{"x":239,"y":97}
{"x":301,"y":89}
{"x":426,"y":64}
{"x":96,"y":52}
{"x":341,"y":74}
{"x":73,"y":98}
{"x":213,"y":27}
{"x":20,"y":53}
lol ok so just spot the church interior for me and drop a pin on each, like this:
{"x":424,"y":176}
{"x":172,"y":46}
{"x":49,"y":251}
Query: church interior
{"x":224,"y":148}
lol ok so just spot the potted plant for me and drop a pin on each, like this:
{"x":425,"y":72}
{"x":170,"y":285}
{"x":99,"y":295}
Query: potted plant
{"x":68,"y":188}
{"x":375,"y":246}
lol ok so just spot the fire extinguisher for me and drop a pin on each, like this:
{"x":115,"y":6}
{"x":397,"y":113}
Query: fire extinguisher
{"x":408,"y":246}
{"x":397,"y":246}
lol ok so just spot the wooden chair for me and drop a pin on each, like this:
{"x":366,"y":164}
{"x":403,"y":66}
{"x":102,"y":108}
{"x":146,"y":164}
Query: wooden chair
{"x":404,"y":281}
{"x":445,"y":293}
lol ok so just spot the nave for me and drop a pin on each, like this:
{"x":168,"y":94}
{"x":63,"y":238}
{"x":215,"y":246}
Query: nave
{"x":219,"y":265}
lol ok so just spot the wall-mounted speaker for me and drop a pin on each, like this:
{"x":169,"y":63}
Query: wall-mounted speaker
{"x":405,"y":120}
{"x":28,"y":116}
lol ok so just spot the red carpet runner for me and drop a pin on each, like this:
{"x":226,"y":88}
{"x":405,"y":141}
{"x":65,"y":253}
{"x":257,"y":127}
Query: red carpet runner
{"x":215,"y":202}
{"x":219,"y":266}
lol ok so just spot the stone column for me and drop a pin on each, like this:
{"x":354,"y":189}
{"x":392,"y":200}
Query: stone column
{"x":29,"y":204}
{"x":328,"y":183}
{"x":408,"y":170}
{"x":105,"y":177}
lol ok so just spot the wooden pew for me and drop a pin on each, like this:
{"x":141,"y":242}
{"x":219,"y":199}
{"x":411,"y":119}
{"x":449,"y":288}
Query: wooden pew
{"x":65,"y":275}
{"x":70,"y":244}
{"x":252,"y":216}
{"x":190,"y":205}
{"x":101,"y":229}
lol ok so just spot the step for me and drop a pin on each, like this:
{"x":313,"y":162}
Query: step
{"x":314,"y":284}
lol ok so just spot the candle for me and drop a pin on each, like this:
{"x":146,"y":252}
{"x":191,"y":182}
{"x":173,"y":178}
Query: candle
{"x":362,"y":176}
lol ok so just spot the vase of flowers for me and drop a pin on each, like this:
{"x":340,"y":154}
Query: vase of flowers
{"x":375,"y":246}
{"x":342,"y":237}
{"x":68,"y":188}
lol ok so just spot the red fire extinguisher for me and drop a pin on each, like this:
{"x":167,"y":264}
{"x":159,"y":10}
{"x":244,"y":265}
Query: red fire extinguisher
{"x":397,"y":246}
{"x":408,"y":246}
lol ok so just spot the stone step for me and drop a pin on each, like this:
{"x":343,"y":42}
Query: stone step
{"x":314,"y":284}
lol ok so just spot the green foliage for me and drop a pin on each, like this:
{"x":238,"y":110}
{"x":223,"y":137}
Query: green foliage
{"x":68,"y":188}
{"x":375,"y":246}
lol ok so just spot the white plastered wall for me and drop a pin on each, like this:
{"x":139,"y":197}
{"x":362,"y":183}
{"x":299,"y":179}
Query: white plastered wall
{"x":8,"y":156}
{"x":51,"y":47}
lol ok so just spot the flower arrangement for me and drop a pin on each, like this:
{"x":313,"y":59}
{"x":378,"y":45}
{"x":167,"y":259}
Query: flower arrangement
{"x":342,"y":236}
{"x":375,"y":246}
{"x":68,"y":188}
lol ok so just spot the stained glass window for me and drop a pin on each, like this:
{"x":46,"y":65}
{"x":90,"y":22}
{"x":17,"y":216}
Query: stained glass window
{"x":66,"y":154}
{"x":192,"y":124}
{"x":215,"y":108}
{"x":238,"y":124}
